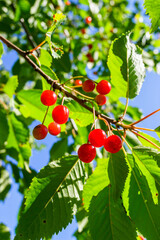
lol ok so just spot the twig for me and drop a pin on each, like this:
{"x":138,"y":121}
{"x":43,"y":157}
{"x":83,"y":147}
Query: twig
{"x":55,"y":85}
{"x":145,"y":117}
{"x":125,"y":110}
{"x":145,"y":139}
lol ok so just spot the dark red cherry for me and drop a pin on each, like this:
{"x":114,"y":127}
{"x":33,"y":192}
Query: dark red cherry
{"x":113,"y":144}
{"x":88,"y":86}
{"x":103,"y":87}
{"x":100,"y":99}
{"x":97,"y":137}
{"x":60,"y":114}
{"x":48,"y":97}
{"x":54,"y":128}
{"x":86,"y":153}
{"x":40,"y":132}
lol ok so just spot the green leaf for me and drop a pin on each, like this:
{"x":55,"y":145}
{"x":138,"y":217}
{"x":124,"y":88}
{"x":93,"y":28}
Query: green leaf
{"x":47,"y":70}
{"x":126,"y":66}
{"x":58,"y":149}
{"x":153,"y":9}
{"x":147,"y":161}
{"x":5,"y":183}
{"x":52,"y":199}
{"x":18,"y":139}
{"x":107,"y":219}
{"x":157,"y":130}
{"x":141,"y":207}
{"x":118,"y":171}
{"x":1,"y":52}
{"x":146,"y":143}
{"x":32,"y":106}
{"x":45,"y":58}
{"x":4,"y":232}
{"x":11,"y":86}
{"x":80,"y":115}
{"x":63,"y":64}
{"x":96,"y":182}
{"x":4,"y":128}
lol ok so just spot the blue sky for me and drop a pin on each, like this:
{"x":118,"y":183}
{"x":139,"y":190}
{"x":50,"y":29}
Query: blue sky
{"x":147,"y":101}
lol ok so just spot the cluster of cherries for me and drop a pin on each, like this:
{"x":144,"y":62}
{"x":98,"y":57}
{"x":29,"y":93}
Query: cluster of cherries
{"x":60,"y":115}
{"x":103,"y":88}
{"x":97,"y":138}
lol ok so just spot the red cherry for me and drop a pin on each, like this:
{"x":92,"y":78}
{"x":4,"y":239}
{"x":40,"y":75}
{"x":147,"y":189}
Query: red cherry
{"x":100,"y":99}
{"x":54,"y":128}
{"x":60,"y":114}
{"x":48,"y":97}
{"x":113,"y":144}
{"x":103,"y":87}
{"x":78,"y":82}
{"x":68,"y":3}
{"x":86,"y":153}
{"x":83,"y":30}
{"x":88,"y":86}
{"x":40,"y":132}
{"x":97,"y":137}
{"x":88,"y":20}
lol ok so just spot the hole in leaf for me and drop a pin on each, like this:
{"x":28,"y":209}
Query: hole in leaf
{"x":44,"y":221}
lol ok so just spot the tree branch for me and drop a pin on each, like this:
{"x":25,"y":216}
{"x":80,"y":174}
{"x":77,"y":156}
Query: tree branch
{"x":51,"y":81}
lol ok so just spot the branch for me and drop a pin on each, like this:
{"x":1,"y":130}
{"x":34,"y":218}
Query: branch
{"x":52,"y":81}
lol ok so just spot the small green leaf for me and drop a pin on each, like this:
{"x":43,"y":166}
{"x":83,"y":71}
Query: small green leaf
{"x":5,"y":183}
{"x":18,"y":139}
{"x":96,"y":182}
{"x":157,"y":130}
{"x":80,"y":115}
{"x":108,"y":220}
{"x":153,"y":9}
{"x":126,"y":66}
{"x":52,"y":199}
{"x":11,"y":86}
{"x":45,"y":58}
{"x":4,"y":232}
{"x":47,"y":70}
{"x":32,"y":106}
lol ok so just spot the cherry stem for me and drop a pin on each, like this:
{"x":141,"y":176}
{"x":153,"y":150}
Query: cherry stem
{"x":145,"y":117}
{"x":141,"y":128}
{"x":45,"y":115}
{"x":107,"y":124}
{"x":124,"y":140}
{"x":79,"y":93}
{"x":34,"y":49}
{"x":145,"y":139}
{"x":36,"y":59}
{"x":125,"y":110}
{"x":62,"y":100}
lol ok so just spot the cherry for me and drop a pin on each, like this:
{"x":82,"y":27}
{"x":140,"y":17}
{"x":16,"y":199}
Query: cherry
{"x":113,"y":144}
{"x":54,"y":128}
{"x":83,"y":30}
{"x":100,"y":99}
{"x":68,"y":3}
{"x":40,"y":132}
{"x":97,"y":137}
{"x":103,"y":87}
{"x":88,"y":20}
{"x":60,"y":114}
{"x":48,"y":97}
{"x":78,"y":82}
{"x":88,"y":86}
{"x":86,"y":153}
{"x":90,"y":46}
